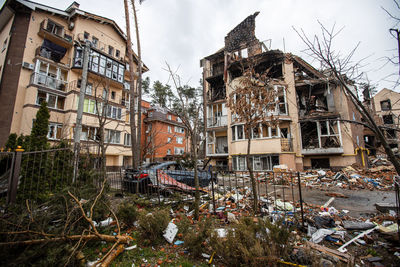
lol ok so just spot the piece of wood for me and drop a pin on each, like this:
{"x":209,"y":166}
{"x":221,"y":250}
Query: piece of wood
{"x":106,"y":262}
{"x":332,"y":252}
{"x":108,"y":238}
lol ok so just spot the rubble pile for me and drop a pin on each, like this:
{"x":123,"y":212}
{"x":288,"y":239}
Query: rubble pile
{"x":352,"y":178}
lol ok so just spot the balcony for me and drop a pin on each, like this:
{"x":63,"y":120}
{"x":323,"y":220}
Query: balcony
{"x":286,"y":145}
{"x":56,"y":33}
{"x":47,"y":81}
{"x":217,"y":150}
{"x":45,"y":52}
{"x":220,"y":121}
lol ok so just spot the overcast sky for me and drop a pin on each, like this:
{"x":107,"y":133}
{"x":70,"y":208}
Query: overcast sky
{"x":181,"y":32}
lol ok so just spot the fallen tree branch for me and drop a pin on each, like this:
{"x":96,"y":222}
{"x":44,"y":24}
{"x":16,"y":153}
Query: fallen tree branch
{"x":122,"y":239}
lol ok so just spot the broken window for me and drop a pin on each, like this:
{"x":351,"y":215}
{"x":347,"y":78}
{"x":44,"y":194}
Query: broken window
{"x":320,"y":134}
{"x":281,"y":105}
{"x":237,"y":132}
{"x":54,"y":132}
{"x":386,"y":105}
{"x":391,"y":133}
{"x":387,"y":119}
{"x":256,"y":132}
{"x":331,"y":137}
{"x":258,"y":162}
{"x":322,"y":163}
{"x":54,"y":28}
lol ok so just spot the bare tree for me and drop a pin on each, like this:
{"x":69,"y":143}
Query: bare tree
{"x":187,"y":104}
{"x":342,"y":68}
{"x":252,"y":100}
{"x":103,"y":109}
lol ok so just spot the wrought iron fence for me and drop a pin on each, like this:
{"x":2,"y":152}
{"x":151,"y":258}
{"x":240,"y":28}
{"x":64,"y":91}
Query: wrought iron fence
{"x":278,"y":193}
{"x":37,"y":175}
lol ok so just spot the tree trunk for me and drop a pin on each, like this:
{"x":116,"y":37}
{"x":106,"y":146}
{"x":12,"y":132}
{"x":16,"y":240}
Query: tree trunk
{"x":132,"y":86}
{"x":196,"y":176}
{"x":250,"y":169}
{"x":138,"y":86}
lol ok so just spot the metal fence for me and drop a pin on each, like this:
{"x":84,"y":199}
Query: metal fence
{"x":36,"y":175}
{"x":278,"y":193}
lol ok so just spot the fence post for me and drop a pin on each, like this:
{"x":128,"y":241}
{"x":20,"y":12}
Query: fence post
{"x":212,"y":187}
{"x":301,"y":199}
{"x":15,"y":170}
{"x":158,"y":187}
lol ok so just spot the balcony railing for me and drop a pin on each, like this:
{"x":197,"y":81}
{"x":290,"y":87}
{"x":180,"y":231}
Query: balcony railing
{"x":56,"y":33}
{"x":48,"y":81}
{"x":221,"y":149}
{"x":52,"y":55}
{"x":217,"y":121}
{"x":286,"y":145}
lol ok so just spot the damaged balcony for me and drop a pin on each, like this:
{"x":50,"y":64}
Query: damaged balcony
{"x":321,"y":137}
{"x":217,"y":115}
{"x":56,"y":33}
{"x":49,"y":76}
{"x":315,"y":98}
{"x":217,"y":144}
{"x":53,"y":52}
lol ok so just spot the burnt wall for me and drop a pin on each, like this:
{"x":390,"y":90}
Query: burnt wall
{"x":242,"y":35}
{"x":11,"y":73}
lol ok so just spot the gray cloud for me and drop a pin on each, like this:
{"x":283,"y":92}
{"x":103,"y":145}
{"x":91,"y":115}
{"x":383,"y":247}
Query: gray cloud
{"x":184,"y":31}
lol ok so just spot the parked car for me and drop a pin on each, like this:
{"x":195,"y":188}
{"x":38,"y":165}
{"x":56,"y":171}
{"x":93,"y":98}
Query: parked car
{"x":146,"y":179}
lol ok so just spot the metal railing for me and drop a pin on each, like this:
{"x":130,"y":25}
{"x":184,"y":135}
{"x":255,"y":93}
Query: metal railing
{"x":286,"y":145}
{"x":48,"y":81}
{"x":221,"y":149}
{"x":219,"y":121}
{"x":37,"y":175}
{"x":47,"y":53}
{"x":277,"y":192}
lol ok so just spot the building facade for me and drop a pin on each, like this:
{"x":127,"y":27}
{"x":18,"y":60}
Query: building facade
{"x":164,"y":135}
{"x":387,"y":110}
{"x":42,"y":60}
{"x":311,"y":109}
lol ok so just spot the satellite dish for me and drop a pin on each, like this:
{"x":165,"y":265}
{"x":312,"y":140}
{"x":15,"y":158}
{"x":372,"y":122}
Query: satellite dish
{"x":71,"y":25}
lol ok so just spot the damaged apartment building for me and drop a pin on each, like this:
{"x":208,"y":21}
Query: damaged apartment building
{"x":42,"y":60}
{"x":313,"y":114}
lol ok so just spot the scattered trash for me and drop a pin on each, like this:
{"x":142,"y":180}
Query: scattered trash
{"x":353,"y":225}
{"x":320,"y":234}
{"x":178,"y":242}
{"x":170,"y":232}
{"x":131,"y":247}
{"x":104,"y":223}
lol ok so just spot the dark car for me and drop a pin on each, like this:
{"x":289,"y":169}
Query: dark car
{"x":169,"y":174}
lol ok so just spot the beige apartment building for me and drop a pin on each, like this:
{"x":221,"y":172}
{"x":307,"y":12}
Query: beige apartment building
{"x":387,"y":108}
{"x":313,"y":112}
{"x":41,"y":60}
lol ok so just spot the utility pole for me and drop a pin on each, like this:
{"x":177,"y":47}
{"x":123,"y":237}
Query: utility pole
{"x":78,"y":124}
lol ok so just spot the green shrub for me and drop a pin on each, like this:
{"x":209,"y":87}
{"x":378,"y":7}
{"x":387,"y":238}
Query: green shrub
{"x":197,"y":239}
{"x":251,"y":243}
{"x":127,"y":213}
{"x":152,"y":225}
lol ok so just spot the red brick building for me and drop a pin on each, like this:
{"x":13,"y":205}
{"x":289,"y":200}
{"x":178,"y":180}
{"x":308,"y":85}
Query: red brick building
{"x":163,"y":134}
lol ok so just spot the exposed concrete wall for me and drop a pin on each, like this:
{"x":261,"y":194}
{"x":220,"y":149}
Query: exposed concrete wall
{"x":10,"y":88}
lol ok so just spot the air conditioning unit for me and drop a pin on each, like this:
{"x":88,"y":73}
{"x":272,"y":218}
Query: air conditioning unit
{"x":27,"y":65}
